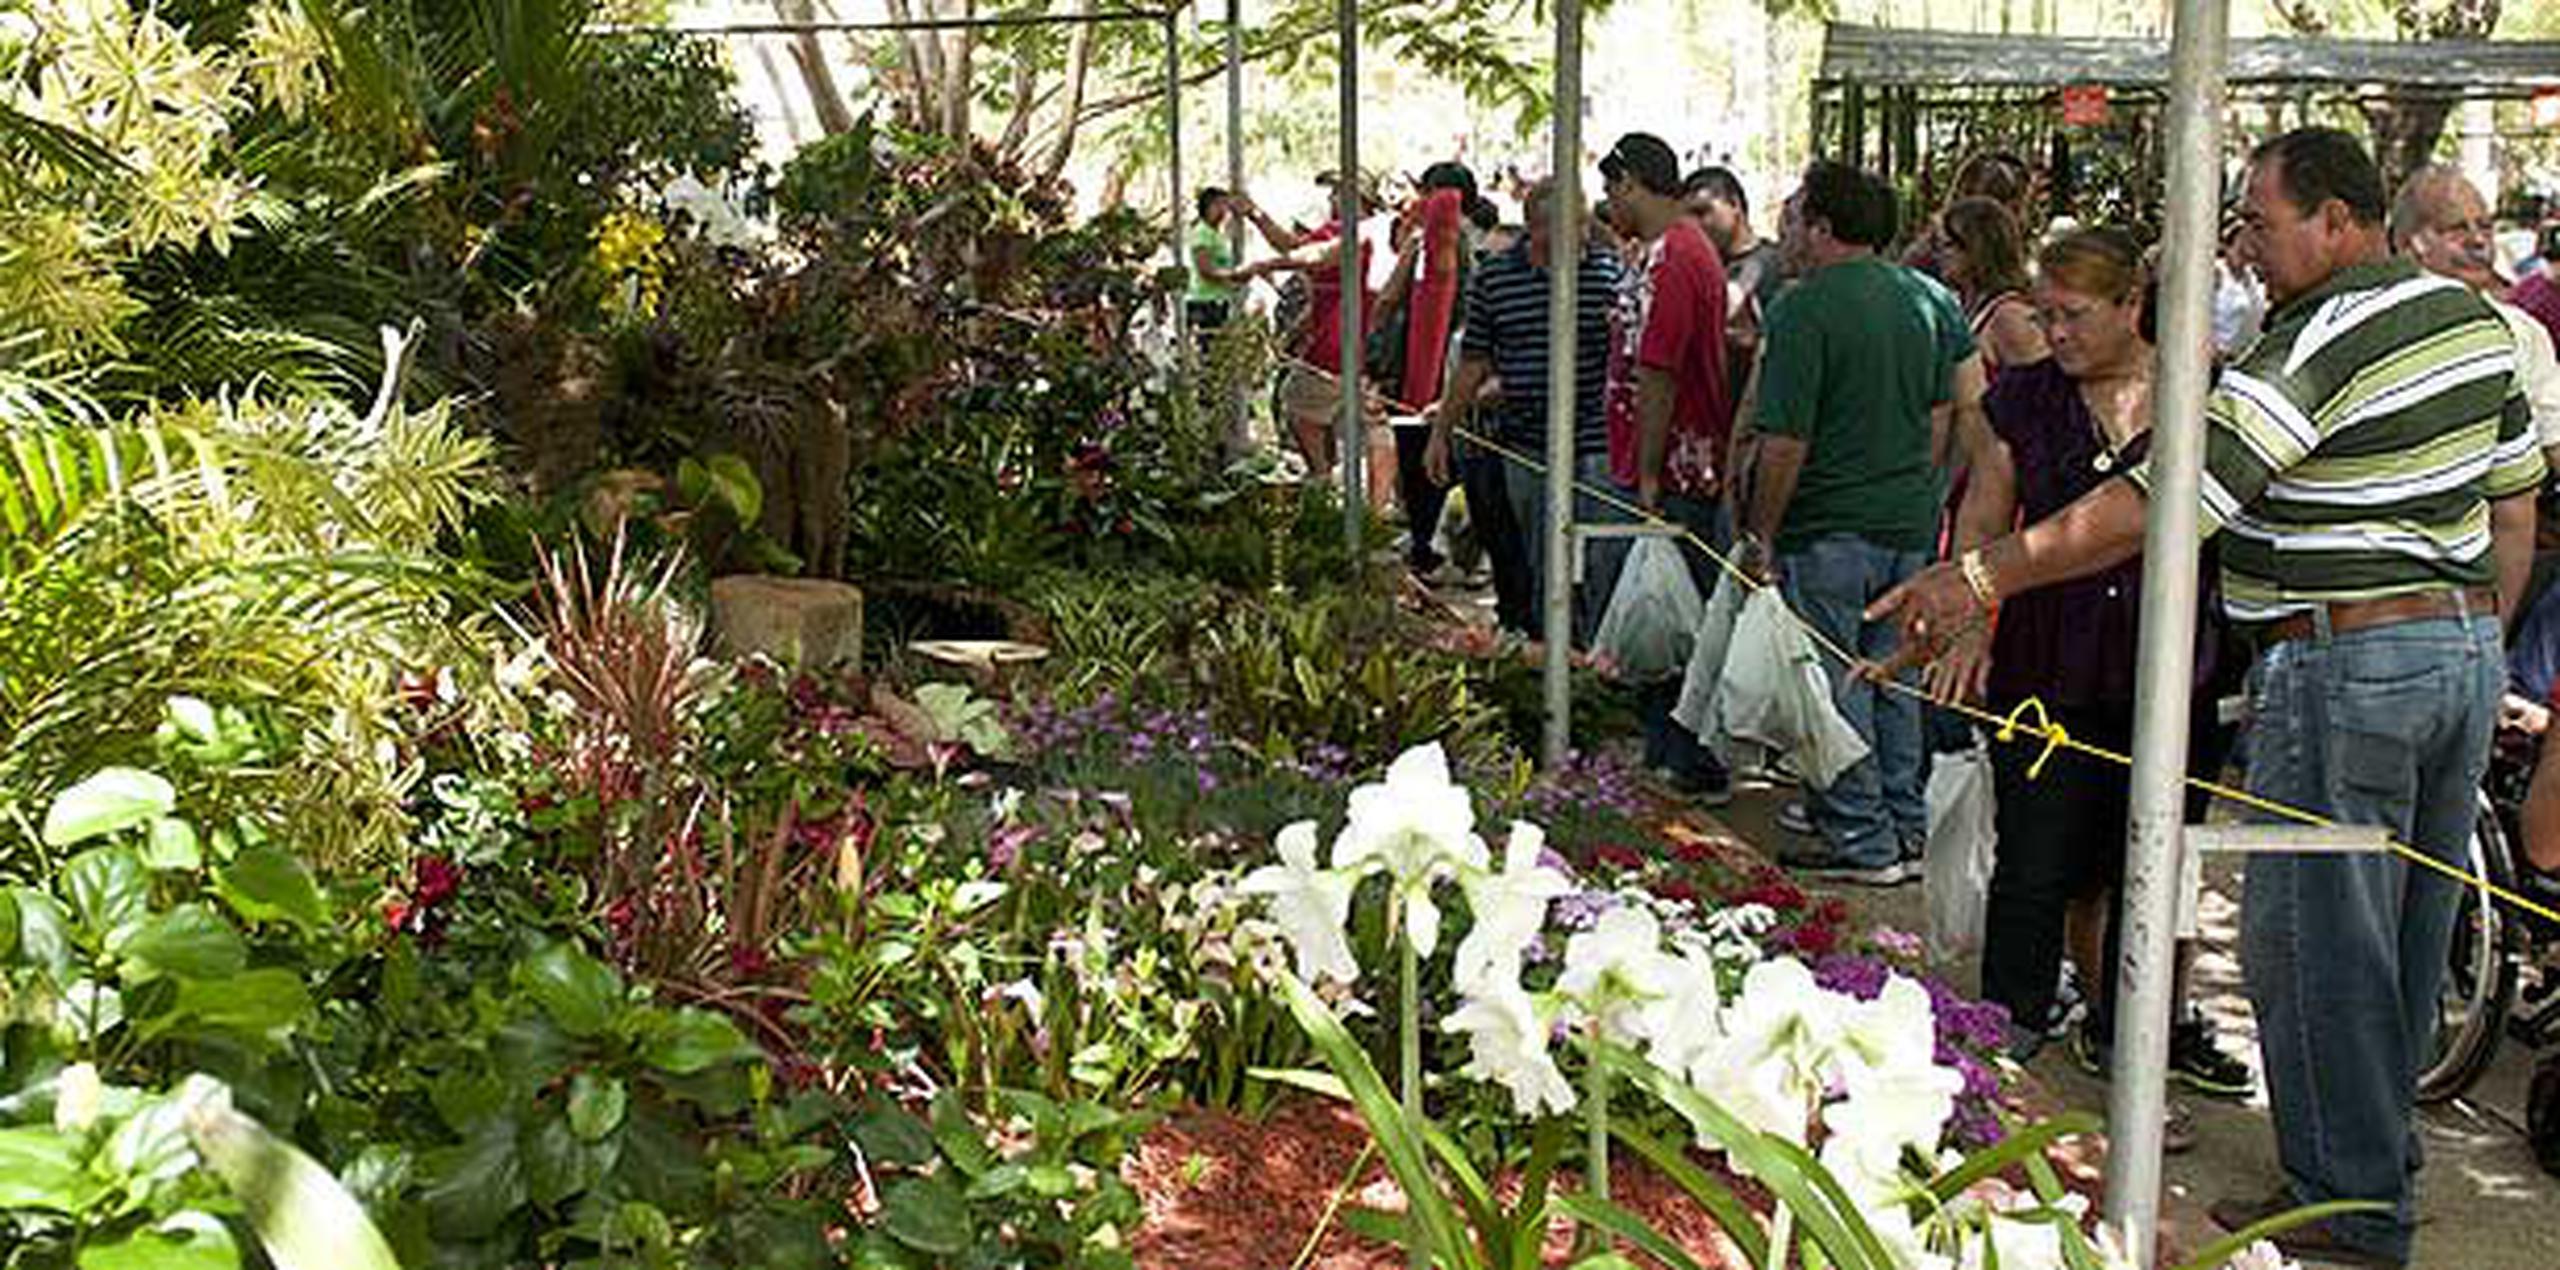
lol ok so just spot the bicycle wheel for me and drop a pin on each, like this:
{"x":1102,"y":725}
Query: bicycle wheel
{"x":2480,"y":983}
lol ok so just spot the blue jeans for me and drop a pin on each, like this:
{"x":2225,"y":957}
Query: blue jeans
{"x":1527,"y":488}
{"x":1866,"y":814}
{"x":2344,"y":954}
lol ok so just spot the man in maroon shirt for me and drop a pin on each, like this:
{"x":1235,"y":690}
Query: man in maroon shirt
{"x":2539,"y":292}
{"x":1669,"y":449}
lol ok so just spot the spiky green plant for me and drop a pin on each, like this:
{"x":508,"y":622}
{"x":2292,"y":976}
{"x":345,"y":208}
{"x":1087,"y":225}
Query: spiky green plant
{"x":278,"y":554}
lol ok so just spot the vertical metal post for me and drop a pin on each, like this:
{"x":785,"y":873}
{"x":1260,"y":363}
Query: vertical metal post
{"x":1564,"y":313}
{"x":1355,"y":489}
{"x":2165,"y":666}
{"x":1239,"y":427}
{"x":1177,"y":215}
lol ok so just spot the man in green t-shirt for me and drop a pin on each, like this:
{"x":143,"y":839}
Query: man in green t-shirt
{"x":1857,"y":359}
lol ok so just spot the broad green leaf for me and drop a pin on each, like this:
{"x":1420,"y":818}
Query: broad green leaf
{"x":304,"y":1219}
{"x":958,"y":1135}
{"x":170,"y":1246}
{"x":114,"y":799}
{"x":1759,"y":1155}
{"x":998,"y":1182}
{"x":2022,"y":1142}
{"x":92,"y":1009}
{"x":555,"y":1166}
{"x":190,"y":941}
{"x":8,"y":926}
{"x":43,"y":941}
{"x":890,"y":1135}
{"x":254,"y":1001}
{"x":268,"y":884}
{"x":475,"y":1186}
{"x":735,"y":483}
{"x":107,"y":889}
{"x":171,"y":845}
{"x":691,"y":1040}
{"x":40,"y":1168}
{"x":927,"y":1214}
{"x":193,"y":720}
{"x":580,"y":993}
{"x":595,"y":1105}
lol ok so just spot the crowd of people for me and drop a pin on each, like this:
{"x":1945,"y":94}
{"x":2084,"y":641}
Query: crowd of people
{"x":1934,"y":439}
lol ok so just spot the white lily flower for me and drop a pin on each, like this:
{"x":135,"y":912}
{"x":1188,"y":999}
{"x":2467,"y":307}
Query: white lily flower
{"x":1510,"y":908}
{"x":1507,"y":1046}
{"x":1897,"y":1030}
{"x":1883,"y":1198}
{"x":1890,"y":1111}
{"x":1781,"y":1038}
{"x":1616,"y":969}
{"x":1683,"y":1025}
{"x":1310,"y":903}
{"x":1419,"y":827}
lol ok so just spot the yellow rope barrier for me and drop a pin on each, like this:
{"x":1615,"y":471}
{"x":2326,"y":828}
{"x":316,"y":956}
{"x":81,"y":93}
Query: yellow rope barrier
{"x":2009,"y":727}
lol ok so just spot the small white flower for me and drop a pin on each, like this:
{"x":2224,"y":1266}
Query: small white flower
{"x":1889,"y":1112}
{"x":1418,"y":827}
{"x":1005,"y":805}
{"x":1310,"y":903}
{"x":2261,"y":1255}
{"x":1510,"y":908}
{"x":1507,"y":1046}
{"x":1780,"y":1039}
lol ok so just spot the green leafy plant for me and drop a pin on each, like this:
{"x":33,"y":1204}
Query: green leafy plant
{"x":1043,"y":1191}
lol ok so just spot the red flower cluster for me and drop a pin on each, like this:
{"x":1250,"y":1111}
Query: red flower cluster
{"x":419,"y":910}
{"x":1617,"y":856}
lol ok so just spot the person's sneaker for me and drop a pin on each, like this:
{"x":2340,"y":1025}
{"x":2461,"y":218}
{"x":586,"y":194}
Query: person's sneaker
{"x":2199,"y":1064}
{"x":1796,"y":818}
{"x":2313,"y":1242}
{"x":2067,"y":993}
{"x":1828,"y":867}
{"x":1915,"y":850}
{"x":1706,"y":789}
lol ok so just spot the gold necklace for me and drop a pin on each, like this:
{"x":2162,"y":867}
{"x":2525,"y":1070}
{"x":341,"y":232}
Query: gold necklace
{"x":2110,"y":451}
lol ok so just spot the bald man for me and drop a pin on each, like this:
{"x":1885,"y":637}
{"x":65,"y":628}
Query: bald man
{"x":2441,"y":222}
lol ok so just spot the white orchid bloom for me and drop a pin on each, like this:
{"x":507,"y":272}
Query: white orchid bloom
{"x":1616,"y":969}
{"x":1510,"y":908}
{"x":1883,"y":1199}
{"x":1310,"y":903}
{"x":1507,"y":1046}
{"x":1417,"y":826}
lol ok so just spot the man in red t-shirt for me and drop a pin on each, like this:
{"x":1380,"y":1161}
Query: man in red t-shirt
{"x":1674,"y":334}
{"x":1668,"y":449}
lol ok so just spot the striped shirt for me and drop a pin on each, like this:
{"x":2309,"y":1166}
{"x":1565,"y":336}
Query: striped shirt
{"x":2353,"y":451}
{"x":1507,"y":326}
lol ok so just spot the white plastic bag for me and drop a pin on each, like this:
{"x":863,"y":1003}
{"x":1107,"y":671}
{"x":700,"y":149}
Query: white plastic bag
{"x":1776,"y":692}
{"x":1652,"y":614}
{"x":1963,"y":841}
{"x":1701,"y":684}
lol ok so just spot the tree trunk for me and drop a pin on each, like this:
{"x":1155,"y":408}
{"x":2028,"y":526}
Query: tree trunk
{"x":1026,"y":102}
{"x":833,"y":115}
{"x":1079,"y":60}
{"x":957,"y":79}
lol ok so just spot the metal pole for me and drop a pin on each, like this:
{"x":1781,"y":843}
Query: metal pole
{"x":2165,"y":668}
{"x":1355,"y":490}
{"x":1564,"y":312}
{"x":1175,"y":219}
{"x":1239,"y":426}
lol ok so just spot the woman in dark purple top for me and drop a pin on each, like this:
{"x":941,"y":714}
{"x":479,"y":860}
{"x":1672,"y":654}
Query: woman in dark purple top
{"x":2065,"y":425}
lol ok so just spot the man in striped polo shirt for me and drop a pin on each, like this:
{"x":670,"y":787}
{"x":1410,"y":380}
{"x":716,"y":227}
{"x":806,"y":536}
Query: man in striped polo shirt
{"x":1506,"y":339}
{"x":2371,"y":471}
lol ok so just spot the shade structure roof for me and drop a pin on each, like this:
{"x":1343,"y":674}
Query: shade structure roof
{"x":1889,"y":56}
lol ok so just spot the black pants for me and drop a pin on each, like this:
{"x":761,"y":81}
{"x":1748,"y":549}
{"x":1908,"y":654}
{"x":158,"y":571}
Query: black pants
{"x":1423,"y":498}
{"x":1489,"y":511}
{"x":1207,"y":318}
{"x":2062,"y":838}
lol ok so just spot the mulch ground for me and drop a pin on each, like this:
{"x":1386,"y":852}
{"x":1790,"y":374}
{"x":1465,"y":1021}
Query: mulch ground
{"x":1224,"y":1193}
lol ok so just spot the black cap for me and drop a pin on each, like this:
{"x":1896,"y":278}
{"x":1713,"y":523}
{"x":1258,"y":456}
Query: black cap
{"x":1645,"y":159}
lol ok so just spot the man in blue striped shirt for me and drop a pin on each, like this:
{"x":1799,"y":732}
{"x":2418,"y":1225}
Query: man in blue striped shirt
{"x":1506,"y":343}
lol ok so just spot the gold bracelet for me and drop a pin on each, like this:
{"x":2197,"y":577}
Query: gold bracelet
{"x":1977,"y":575}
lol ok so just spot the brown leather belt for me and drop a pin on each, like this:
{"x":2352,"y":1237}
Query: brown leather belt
{"x":2362,"y":615}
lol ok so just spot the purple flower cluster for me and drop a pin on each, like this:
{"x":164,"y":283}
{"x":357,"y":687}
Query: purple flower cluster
{"x":1113,"y":729}
{"x":1969,"y":1032}
{"x":1584,"y":783}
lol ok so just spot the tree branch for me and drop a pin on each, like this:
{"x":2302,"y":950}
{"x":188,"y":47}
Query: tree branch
{"x":1079,"y":63}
